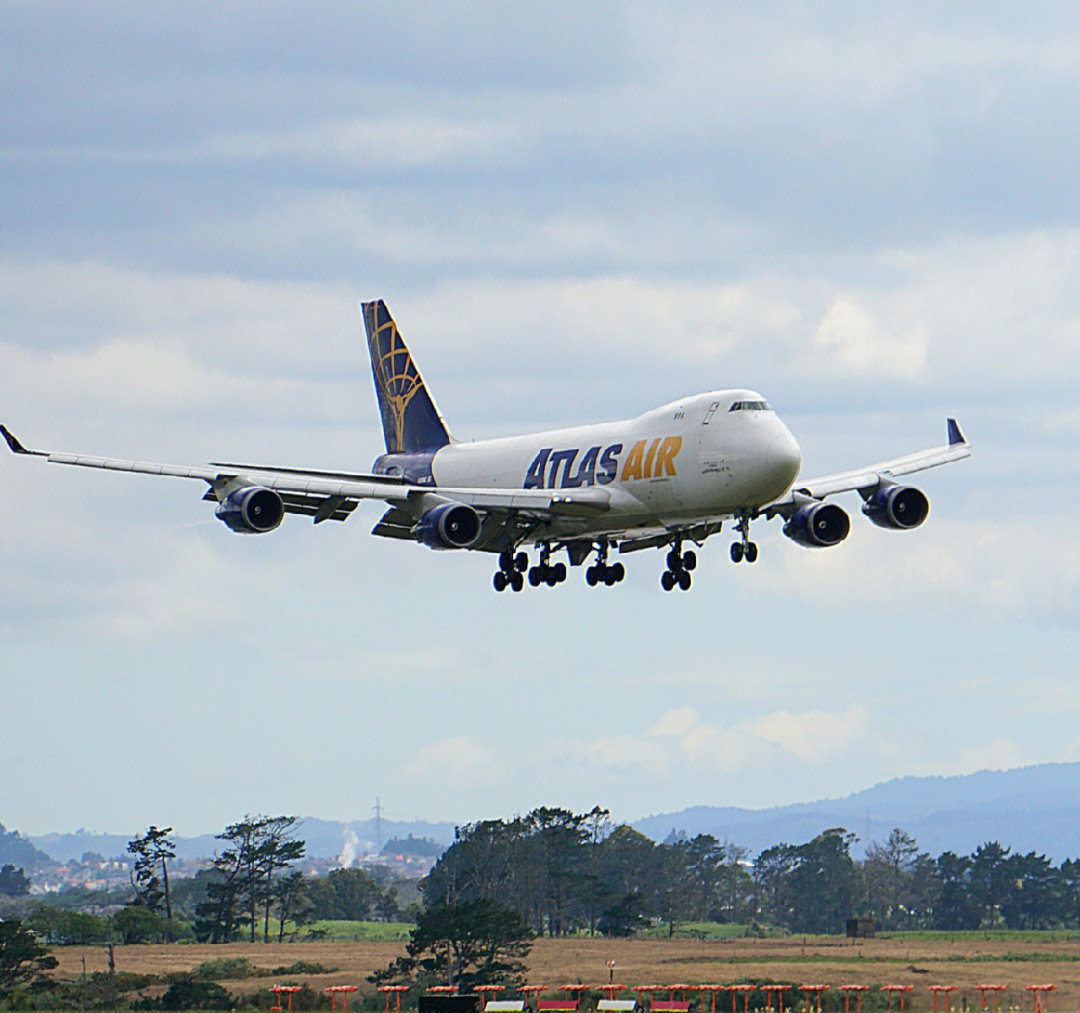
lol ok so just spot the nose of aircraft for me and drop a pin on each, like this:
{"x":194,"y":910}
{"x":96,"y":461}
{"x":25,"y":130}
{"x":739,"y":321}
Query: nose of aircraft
{"x":784,"y":458}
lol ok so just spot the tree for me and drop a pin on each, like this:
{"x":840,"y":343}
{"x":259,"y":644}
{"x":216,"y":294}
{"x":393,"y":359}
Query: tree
{"x":259,"y":848}
{"x":277,"y":849}
{"x":137,"y":924}
{"x":887,"y":873}
{"x":809,"y":887}
{"x":13,"y":882}
{"x":468,"y":944}
{"x":152,"y":852}
{"x":955,"y":909}
{"x":22,"y":957}
{"x":989,"y":881}
{"x":291,"y":900}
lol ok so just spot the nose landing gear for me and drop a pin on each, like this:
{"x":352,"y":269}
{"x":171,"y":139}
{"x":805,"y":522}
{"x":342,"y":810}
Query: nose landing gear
{"x":744,"y":549}
{"x":679,"y":565}
{"x":601,"y":572}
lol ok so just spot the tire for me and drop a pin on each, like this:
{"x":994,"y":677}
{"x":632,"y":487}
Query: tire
{"x":609,"y":576}
{"x":674,"y":561}
{"x":684,"y":581}
{"x":506,"y":561}
{"x":667,"y":580}
{"x":517,"y":582}
{"x":736,"y":552}
{"x":521,"y":562}
{"x":689,"y":560}
{"x":534,"y":576}
{"x":591,"y":576}
{"x":751,"y":552}
{"x":500,"y":580}
{"x":620,"y":571}
{"x":559,"y":569}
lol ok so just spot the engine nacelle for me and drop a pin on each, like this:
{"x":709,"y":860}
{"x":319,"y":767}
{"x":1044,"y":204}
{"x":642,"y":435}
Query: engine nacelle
{"x":449,"y":526}
{"x":897,"y":506}
{"x":818,"y":525}
{"x":251,"y":511}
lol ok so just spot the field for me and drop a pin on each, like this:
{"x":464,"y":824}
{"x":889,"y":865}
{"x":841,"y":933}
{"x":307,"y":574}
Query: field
{"x":1014,"y":959}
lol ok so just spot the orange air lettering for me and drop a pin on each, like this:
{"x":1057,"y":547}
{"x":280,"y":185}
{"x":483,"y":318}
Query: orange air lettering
{"x":632,"y":468}
{"x":647,"y":471}
{"x":665,"y":460}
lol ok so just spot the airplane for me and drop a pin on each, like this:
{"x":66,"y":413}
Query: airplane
{"x":668,"y":477}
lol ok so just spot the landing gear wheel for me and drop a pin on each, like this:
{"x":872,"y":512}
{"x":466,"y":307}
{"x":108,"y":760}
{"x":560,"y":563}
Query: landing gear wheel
{"x":674,"y":561}
{"x":535,"y":576}
{"x":684,"y":580}
{"x":667,"y":580}
{"x":736,"y":552}
{"x":559,"y":570}
{"x":592,"y":575}
{"x":521,"y":562}
{"x":517,"y":582}
{"x":620,"y":571}
{"x":500,"y":580}
{"x":506,"y":561}
{"x":751,"y":552}
{"x":689,"y":560}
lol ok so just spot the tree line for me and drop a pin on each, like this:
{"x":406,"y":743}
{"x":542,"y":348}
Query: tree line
{"x":250,"y":891}
{"x":566,"y":872}
{"x":562,"y":872}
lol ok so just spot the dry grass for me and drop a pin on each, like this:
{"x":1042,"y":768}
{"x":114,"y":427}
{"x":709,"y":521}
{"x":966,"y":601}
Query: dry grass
{"x":965,"y":961}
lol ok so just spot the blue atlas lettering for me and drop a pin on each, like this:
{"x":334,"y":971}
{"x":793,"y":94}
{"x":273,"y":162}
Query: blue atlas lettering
{"x":586,"y":470}
{"x":534,"y":479}
{"x":609,"y":464}
{"x":559,"y":458}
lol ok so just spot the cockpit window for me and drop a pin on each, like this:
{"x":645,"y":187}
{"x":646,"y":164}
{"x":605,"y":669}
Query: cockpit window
{"x":750,"y":406}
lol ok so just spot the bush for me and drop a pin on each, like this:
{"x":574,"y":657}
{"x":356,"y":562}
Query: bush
{"x":190,"y":993}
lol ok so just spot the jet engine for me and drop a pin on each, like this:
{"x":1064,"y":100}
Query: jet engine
{"x":449,"y":526}
{"x":251,"y":511}
{"x":897,"y":506}
{"x":818,"y":525}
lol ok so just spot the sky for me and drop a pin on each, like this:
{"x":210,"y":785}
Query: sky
{"x":576,"y":212}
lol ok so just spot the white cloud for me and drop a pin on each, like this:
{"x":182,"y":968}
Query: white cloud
{"x":456,"y":760}
{"x":849,"y":342}
{"x":813,"y":736}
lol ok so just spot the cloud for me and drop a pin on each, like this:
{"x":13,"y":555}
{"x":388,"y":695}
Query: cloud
{"x":458,"y":760}
{"x":813,"y":736}
{"x":850,"y":342}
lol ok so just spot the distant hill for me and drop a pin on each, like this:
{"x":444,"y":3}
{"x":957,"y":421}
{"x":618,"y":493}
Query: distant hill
{"x":1028,"y":809}
{"x":325,"y":839}
{"x":19,"y":851}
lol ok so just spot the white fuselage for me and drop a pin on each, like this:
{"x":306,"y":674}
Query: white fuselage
{"x":703,"y":457}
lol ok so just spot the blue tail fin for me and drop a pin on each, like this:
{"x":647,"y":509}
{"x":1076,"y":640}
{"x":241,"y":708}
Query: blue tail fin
{"x":410,"y":419}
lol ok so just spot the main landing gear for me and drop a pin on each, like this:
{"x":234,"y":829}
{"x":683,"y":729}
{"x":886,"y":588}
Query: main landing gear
{"x":744,"y":549}
{"x":546,"y":572}
{"x":679,"y":565}
{"x":601,"y":572}
{"x":509,"y":573}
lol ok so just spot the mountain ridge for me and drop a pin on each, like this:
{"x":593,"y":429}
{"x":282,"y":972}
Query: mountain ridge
{"x":1032,"y":808}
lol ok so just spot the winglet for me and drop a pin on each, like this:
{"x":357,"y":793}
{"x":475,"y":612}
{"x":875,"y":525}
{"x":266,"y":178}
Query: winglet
{"x":955,"y":436}
{"x":15,"y":445}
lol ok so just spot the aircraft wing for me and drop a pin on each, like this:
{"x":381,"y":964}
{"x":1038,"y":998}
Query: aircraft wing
{"x":873,"y":475}
{"x":334,"y":495}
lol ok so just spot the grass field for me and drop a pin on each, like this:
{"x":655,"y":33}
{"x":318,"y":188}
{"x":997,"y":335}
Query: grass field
{"x":1012,"y":959}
